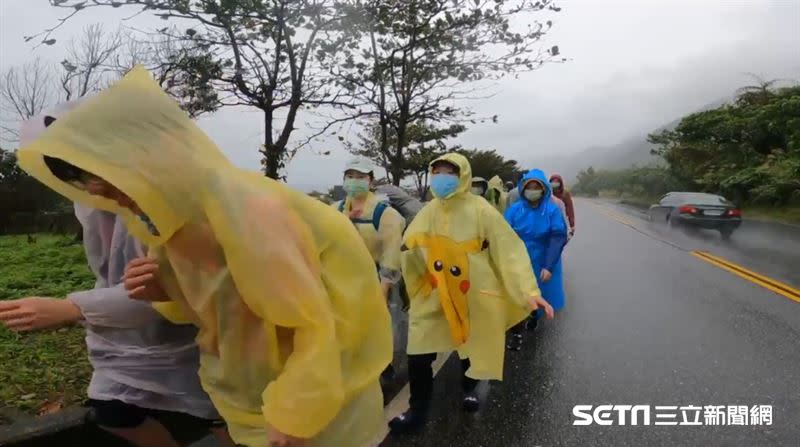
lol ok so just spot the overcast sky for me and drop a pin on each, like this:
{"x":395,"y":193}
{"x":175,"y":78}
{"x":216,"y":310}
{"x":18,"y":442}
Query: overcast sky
{"x":634,"y":65}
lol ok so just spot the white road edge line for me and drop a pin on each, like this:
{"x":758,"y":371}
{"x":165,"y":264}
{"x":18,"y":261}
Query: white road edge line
{"x":399,"y":402}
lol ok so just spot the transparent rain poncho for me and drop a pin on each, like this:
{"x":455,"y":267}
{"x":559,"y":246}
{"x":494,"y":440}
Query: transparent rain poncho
{"x":468,"y":278}
{"x":294,"y":331}
{"x":137,"y":356}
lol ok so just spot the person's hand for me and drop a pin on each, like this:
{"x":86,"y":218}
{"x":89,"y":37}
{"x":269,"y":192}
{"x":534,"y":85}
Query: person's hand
{"x":545,"y":275}
{"x":141,"y":282}
{"x":355,"y":213}
{"x":536,"y":302}
{"x":278,"y":439}
{"x":32,"y":313}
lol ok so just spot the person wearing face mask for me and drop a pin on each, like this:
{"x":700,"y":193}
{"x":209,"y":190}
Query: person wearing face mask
{"x":560,"y":192}
{"x":540,"y":223}
{"x":496,"y":194}
{"x":380,"y":226}
{"x":469,"y":280}
{"x":479,"y":186}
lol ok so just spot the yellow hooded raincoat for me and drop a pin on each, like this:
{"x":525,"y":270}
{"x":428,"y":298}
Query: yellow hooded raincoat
{"x":496,"y":194}
{"x":292,"y":334}
{"x":468,"y":277}
{"x":383,"y":243}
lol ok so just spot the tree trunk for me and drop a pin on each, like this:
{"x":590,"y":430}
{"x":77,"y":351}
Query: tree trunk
{"x":272,"y":153}
{"x":271,"y":162}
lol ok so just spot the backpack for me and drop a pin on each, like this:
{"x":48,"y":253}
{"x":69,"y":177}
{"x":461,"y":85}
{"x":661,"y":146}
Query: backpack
{"x":401,"y":201}
{"x":376,"y":215}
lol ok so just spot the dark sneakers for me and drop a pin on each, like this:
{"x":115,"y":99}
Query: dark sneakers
{"x":514,"y":342}
{"x":471,"y":402}
{"x":532,"y":322}
{"x":408,"y":422}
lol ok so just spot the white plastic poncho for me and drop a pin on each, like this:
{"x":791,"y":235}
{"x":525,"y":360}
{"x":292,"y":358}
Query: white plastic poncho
{"x":294,"y":331}
{"x":137,"y":356}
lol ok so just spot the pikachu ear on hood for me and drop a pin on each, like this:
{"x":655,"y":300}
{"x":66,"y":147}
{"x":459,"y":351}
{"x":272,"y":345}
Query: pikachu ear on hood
{"x":31,"y":128}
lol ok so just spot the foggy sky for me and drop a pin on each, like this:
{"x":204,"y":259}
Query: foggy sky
{"x":634,"y":66}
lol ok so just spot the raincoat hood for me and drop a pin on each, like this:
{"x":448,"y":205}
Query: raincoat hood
{"x":464,"y":176}
{"x":480,"y":180}
{"x":137,"y":138}
{"x":496,"y":183}
{"x":538,"y":175}
{"x":560,"y":179}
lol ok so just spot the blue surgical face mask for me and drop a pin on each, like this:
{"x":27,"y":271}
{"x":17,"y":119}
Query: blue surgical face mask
{"x":356,"y":187}
{"x":443,"y":185}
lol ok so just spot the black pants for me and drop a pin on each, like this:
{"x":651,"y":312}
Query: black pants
{"x":420,"y":380}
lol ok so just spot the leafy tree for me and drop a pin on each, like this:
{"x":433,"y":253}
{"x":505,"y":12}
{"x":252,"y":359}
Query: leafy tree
{"x":425,"y":142}
{"x":21,"y":193}
{"x":267,"y":54}
{"x":419,"y":58}
{"x":747,"y":150}
{"x":488,"y":163}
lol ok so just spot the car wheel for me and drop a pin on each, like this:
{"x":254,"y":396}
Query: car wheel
{"x":673,"y":223}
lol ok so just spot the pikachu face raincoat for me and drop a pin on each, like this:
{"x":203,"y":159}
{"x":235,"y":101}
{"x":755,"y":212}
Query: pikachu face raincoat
{"x":292,"y":334}
{"x":468,"y":278}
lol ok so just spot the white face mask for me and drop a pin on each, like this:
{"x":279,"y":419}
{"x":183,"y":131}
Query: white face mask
{"x":477,"y":190}
{"x":555,"y":185}
{"x":533,"y":194}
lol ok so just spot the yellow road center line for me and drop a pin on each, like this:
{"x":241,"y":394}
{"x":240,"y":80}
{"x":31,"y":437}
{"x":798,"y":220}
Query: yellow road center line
{"x":763,"y":281}
{"x":615,"y":216}
{"x":789,"y":289}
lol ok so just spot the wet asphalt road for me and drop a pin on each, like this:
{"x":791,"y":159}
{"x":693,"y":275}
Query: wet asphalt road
{"x":645,"y":323}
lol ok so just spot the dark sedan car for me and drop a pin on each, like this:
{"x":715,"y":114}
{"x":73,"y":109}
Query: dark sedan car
{"x":698,"y":210}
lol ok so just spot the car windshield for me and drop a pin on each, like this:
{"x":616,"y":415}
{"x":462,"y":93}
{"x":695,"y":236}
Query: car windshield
{"x":703,"y":199}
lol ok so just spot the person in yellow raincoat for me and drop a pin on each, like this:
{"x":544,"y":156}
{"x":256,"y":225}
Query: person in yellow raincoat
{"x":469,"y":280}
{"x":496,"y":194}
{"x":292,"y":334}
{"x":380,"y":225}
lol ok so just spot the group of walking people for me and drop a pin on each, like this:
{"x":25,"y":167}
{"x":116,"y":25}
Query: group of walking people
{"x":259,"y":313}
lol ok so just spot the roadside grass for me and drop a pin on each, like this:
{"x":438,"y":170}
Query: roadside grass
{"x":50,"y":366}
{"x":790,"y":215}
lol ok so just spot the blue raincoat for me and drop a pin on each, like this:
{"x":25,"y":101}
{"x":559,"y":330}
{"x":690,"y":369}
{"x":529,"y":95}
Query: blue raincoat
{"x":544,"y":232}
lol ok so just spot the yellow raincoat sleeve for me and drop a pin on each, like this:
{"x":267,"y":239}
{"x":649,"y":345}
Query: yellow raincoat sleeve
{"x":412,"y":261}
{"x":510,"y":258}
{"x":173,"y":312}
{"x":390,"y":233}
{"x":272,"y":259}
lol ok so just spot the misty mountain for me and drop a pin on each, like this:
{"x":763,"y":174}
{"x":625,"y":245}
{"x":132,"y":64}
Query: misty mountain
{"x":634,"y":150}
